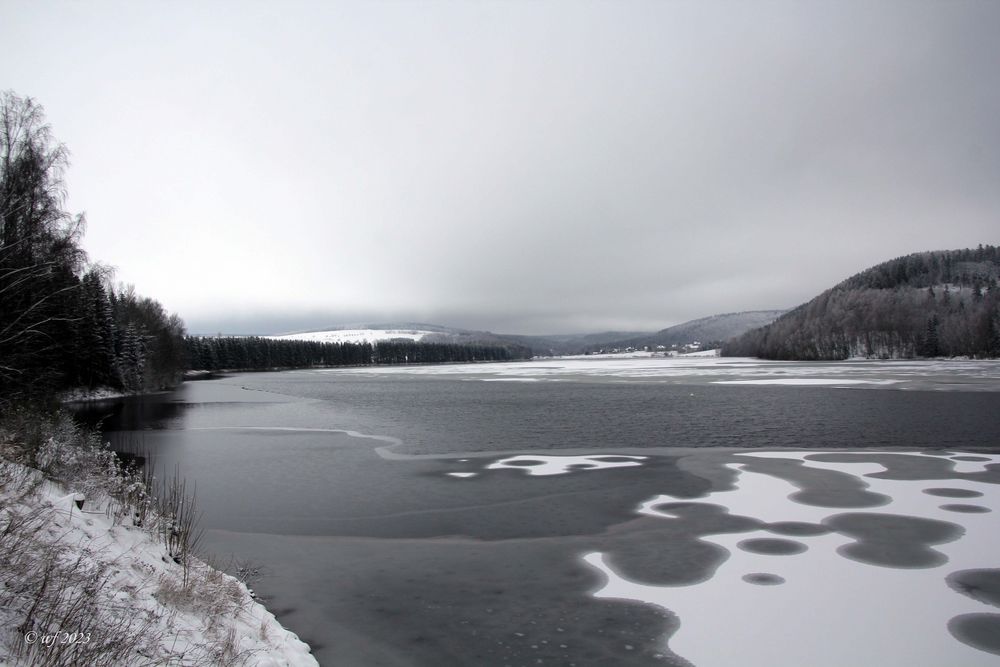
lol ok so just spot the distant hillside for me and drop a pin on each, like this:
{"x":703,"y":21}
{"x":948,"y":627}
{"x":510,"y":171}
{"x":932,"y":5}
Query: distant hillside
{"x":436,"y":333}
{"x":559,"y":344}
{"x":941,"y":303}
{"x":398,"y":331}
{"x":714,"y":328}
{"x":403,"y":332}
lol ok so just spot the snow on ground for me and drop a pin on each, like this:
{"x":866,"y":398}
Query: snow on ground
{"x":634,"y":365}
{"x":637,"y":354}
{"x":81,"y":395}
{"x":355,"y":335}
{"x":213,"y":620}
{"x":813,"y":603}
{"x":510,"y":379}
{"x":702,"y":353}
{"x":946,"y":374}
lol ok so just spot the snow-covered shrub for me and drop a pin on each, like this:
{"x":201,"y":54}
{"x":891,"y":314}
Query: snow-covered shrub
{"x":62,"y":450}
{"x":207,"y":591}
{"x":177,"y":519}
{"x":78,"y":459}
{"x":50,"y":589}
{"x":16,"y":482}
{"x":102,"y":573}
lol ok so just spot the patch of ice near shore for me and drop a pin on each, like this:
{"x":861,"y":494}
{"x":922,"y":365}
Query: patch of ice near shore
{"x":859,"y":468}
{"x":805,"y":382}
{"x":509,"y":380}
{"x":832,"y":610}
{"x":940,"y":374}
{"x":559,"y":465}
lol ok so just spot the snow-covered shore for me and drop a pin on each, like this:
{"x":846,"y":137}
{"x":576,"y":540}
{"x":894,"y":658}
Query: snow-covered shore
{"x":84,"y":395}
{"x":109,"y":592}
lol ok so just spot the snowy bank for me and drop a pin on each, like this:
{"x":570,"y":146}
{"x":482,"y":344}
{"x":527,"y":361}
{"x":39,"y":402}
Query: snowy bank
{"x":80,"y":584}
{"x":83,"y":395}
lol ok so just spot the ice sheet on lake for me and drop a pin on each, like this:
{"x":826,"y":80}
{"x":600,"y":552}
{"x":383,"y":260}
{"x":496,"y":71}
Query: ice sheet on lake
{"x":509,"y":380}
{"x":833,"y":607}
{"x":540,"y":465}
{"x":935,"y":374}
{"x":960,"y":463}
{"x":805,"y":382}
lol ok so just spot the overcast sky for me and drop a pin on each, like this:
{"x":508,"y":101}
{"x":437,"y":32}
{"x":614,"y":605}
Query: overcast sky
{"x":536,"y":167}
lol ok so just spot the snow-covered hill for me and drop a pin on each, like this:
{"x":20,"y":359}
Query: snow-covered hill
{"x":356,"y":335}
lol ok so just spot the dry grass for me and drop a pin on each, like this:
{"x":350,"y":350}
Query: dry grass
{"x":206,"y":591}
{"x":52,"y":588}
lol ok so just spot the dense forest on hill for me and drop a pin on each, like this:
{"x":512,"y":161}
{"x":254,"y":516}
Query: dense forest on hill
{"x":62,"y":323}
{"x":252,"y":353}
{"x":942,"y":303}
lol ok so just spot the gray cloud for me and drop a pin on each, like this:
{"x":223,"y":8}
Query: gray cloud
{"x":532,"y":167}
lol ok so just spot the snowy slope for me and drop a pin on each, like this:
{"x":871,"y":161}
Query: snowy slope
{"x":355,"y":335}
{"x":213,"y":619}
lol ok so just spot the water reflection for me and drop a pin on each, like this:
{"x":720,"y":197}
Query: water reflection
{"x":133,"y":413}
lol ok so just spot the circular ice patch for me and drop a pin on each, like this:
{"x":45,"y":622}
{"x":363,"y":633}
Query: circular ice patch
{"x":797,"y":528}
{"x":893,"y":540}
{"x":763,"y":579}
{"x":981,"y":631}
{"x":981,"y":585}
{"x":952,"y":493}
{"x":772,"y":546}
{"x":966,"y":509}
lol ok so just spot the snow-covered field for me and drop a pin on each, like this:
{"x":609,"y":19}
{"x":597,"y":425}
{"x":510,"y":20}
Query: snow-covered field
{"x":355,"y":335}
{"x":643,"y":366}
{"x":140,"y":593}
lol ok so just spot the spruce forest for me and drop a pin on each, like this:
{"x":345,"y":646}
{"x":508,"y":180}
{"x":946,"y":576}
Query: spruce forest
{"x":233,"y":353}
{"x":943,"y":303}
{"x":62,"y":323}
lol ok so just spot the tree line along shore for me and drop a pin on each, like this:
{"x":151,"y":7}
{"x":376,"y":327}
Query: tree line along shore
{"x":97,"y":554}
{"x":65,"y":325}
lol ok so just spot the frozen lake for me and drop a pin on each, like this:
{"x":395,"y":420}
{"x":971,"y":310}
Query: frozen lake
{"x":605,"y":511}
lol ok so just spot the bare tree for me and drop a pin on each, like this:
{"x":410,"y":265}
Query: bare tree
{"x":40,"y":255}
